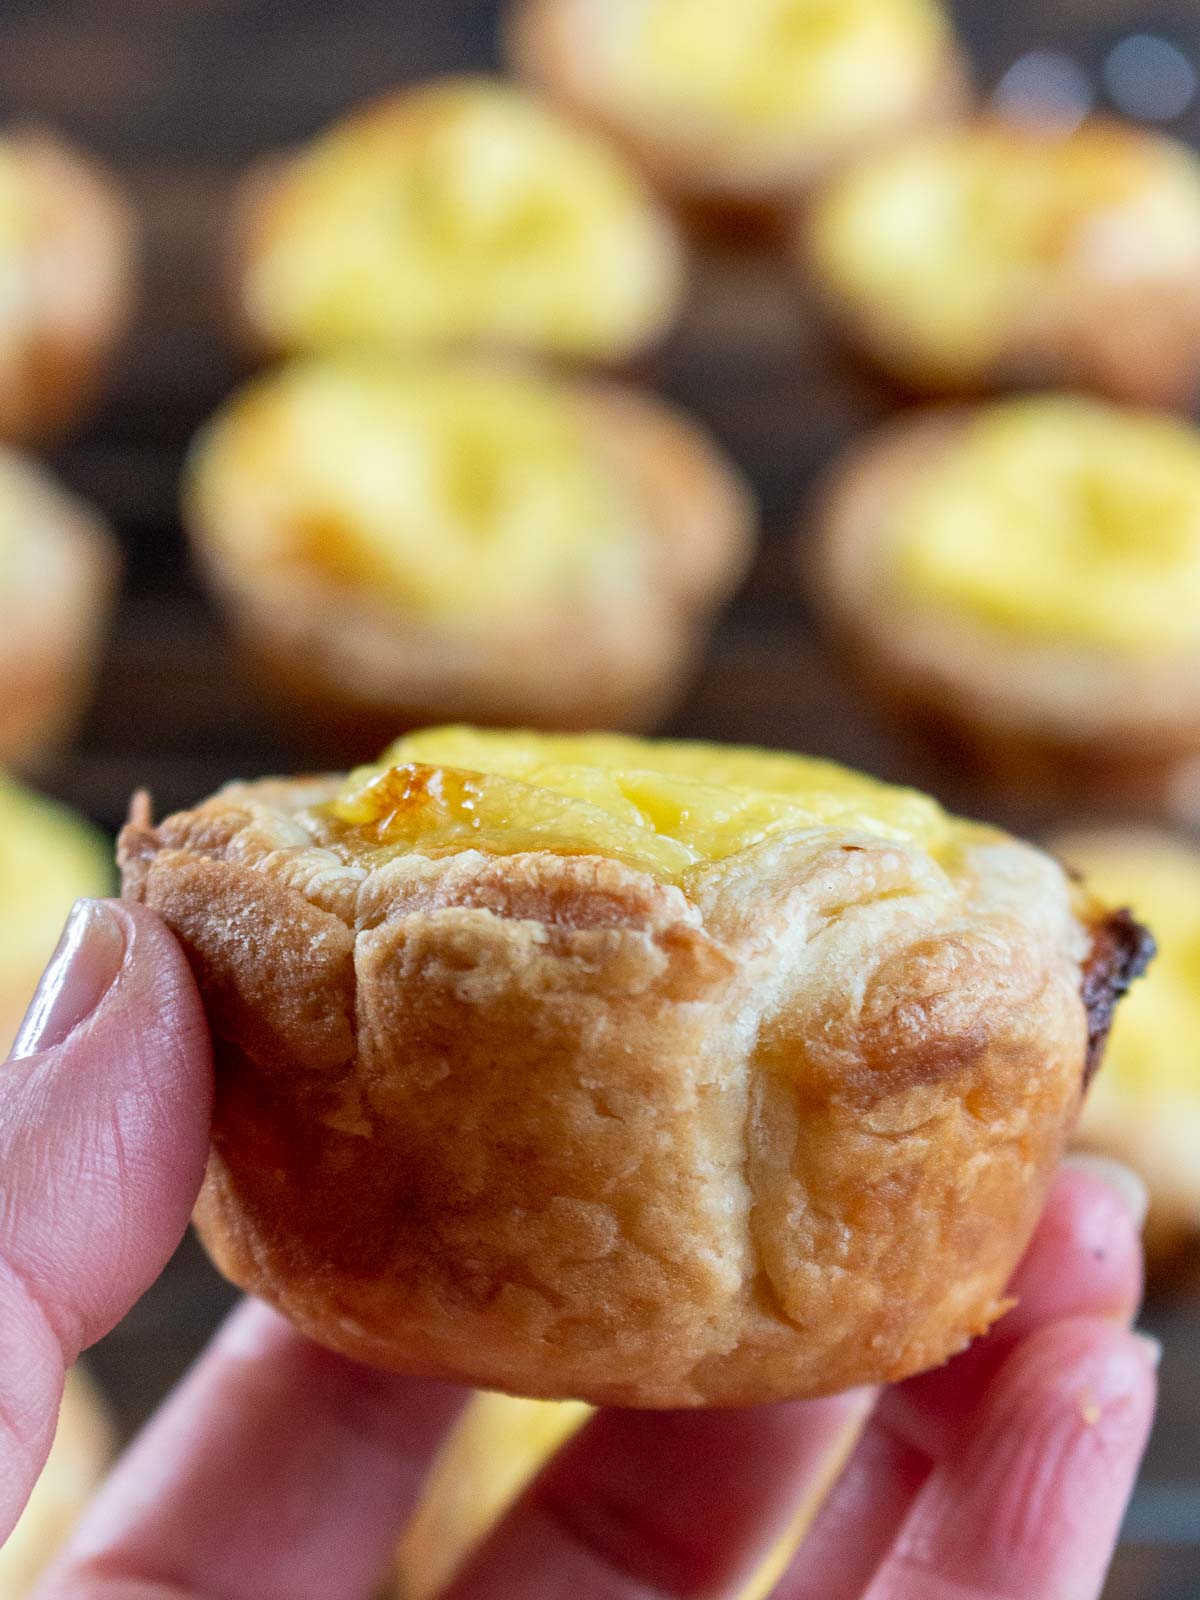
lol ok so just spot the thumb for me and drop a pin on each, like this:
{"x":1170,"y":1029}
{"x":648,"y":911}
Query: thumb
{"x":104,"y":1117}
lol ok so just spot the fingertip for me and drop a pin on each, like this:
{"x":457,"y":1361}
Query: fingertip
{"x":1032,"y":1500}
{"x":104,"y":1135}
{"x":1085,"y":1257}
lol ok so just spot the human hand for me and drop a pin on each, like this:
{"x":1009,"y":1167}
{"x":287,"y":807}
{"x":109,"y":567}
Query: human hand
{"x":278,"y":1471}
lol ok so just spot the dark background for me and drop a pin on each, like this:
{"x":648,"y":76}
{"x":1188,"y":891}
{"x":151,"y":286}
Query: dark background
{"x":178,"y":94}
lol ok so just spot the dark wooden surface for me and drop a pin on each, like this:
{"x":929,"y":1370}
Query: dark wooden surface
{"x":178,"y":93}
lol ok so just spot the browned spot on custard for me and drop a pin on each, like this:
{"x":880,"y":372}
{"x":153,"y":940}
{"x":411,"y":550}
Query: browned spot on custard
{"x":1121,"y":951}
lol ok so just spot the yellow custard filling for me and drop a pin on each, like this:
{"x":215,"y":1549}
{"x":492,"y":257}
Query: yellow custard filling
{"x":450,"y":491}
{"x":462,"y":212}
{"x":1155,"y":1043}
{"x":1062,"y":519}
{"x":49,"y":857}
{"x":661,"y":807}
{"x":952,"y":236}
{"x":778,"y":66}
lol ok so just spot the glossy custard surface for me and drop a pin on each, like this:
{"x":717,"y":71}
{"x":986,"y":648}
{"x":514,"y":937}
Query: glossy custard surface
{"x":1064,"y":520}
{"x":459,"y":213}
{"x":449,"y":491}
{"x":662,"y":807}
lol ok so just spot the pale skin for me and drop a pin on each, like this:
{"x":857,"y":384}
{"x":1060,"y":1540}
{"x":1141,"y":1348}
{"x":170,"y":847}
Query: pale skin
{"x":278,"y":1471}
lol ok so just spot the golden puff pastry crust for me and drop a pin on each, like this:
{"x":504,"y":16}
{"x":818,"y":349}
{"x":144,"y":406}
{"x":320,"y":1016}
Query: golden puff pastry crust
{"x":763,"y":1115}
{"x":59,"y":566}
{"x":586,"y":535}
{"x":999,"y":256}
{"x":68,"y":270}
{"x":456,"y":214}
{"x":1145,"y":1108}
{"x":83,"y":1446}
{"x":1038,"y":639}
{"x":737,"y":110}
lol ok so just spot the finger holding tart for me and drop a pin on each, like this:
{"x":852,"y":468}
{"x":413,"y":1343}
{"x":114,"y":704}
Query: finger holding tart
{"x":67,"y":276}
{"x":83,"y":1446}
{"x":402,"y":543}
{"x":639,"y":1073}
{"x":460,"y":213}
{"x":1018,"y":583}
{"x":741,"y":105}
{"x":49,"y":858}
{"x":59,"y":566}
{"x":1144,"y":1108}
{"x":1001,"y":255}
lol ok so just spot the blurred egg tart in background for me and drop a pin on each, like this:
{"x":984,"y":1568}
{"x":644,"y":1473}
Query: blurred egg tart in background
{"x":1020,"y":582}
{"x":495,"y":1449}
{"x":58,"y":572}
{"x":458,"y":213}
{"x":405,"y":543}
{"x":1144,"y":1108}
{"x":498,"y":1446}
{"x":1002,"y":255}
{"x":742,"y":103}
{"x":67,"y":271}
{"x":636,"y":1072}
{"x":83,"y":1446}
{"x":49,"y":858}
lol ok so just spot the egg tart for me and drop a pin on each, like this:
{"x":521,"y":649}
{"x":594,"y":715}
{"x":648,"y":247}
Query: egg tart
{"x":82,"y":1449}
{"x":1020,"y":584}
{"x":459,"y":213}
{"x":58,"y":573}
{"x":67,"y":270}
{"x":402,"y":543}
{"x":49,"y":858}
{"x":999,"y":256}
{"x":743,"y":104}
{"x":1145,"y":1107}
{"x":639,"y":1073}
